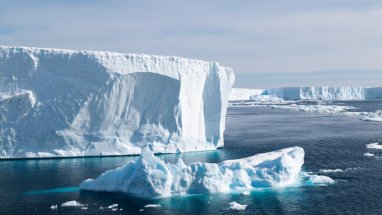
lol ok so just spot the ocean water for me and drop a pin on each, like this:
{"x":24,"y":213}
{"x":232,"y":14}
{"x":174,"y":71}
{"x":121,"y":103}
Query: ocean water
{"x":330,"y":142}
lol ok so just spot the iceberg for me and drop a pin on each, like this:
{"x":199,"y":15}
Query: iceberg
{"x":319,"y":180}
{"x":150,"y":177}
{"x":374,"y":146}
{"x":65,"y":103}
{"x":326,"y":93}
{"x":243,"y":94}
{"x":237,"y":206}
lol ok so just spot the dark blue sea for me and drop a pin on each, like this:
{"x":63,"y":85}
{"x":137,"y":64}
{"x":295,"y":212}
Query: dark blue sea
{"x":330,"y":142}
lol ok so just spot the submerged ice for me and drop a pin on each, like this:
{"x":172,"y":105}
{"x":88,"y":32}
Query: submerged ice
{"x":150,"y":177}
{"x":57,"y":102}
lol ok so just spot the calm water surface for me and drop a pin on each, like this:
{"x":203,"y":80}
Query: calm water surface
{"x":330,"y":142}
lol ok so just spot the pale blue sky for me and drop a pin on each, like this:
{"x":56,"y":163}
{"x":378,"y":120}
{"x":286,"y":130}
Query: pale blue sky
{"x":258,"y":39}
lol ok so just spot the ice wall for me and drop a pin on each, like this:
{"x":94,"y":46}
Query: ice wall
{"x":77,"y":103}
{"x":326,"y":93}
{"x":243,"y":94}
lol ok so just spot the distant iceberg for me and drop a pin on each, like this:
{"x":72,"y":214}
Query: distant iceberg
{"x":326,"y":93}
{"x":150,"y":177}
{"x":243,"y":94}
{"x":307,"y":93}
{"x":58,"y":103}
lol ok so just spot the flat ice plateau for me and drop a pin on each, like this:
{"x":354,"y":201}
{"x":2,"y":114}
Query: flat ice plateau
{"x":150,"y":177}
{"x":59,"y":103}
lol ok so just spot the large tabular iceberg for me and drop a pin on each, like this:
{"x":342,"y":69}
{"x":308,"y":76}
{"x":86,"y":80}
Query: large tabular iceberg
{"x":150,"y":177}
{"x":77,"y":103}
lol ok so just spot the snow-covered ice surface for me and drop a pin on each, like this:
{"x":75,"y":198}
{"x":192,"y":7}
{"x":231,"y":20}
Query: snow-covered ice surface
{"x":59,"y":103}
{"x":149,"y":177}
{"x":237,"y":206}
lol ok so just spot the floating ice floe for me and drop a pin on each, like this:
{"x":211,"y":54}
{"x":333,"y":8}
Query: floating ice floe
{"x":337,"y":170}
{"x":72,"y":203}
{"x":374,"y":146}
{"x":53,"y":207}
{"x":368,"y":154}
{"x":374,"y":117}
{"x":237,"y":206}
{"x":150,"y":177}
{"x":112,"y":206}
{"x":319,"y":180}
{"x":153,"y":206}
{"x":330,"y":170}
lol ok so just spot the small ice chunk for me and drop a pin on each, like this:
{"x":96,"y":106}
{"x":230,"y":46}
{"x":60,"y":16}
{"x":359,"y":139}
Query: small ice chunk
{"x":237,"y":206}
{"x":114,"y":209}
{"x":84,"y":208}
{"x":330,"y":170}
{"x":72,"y":203}
{"x":367,"y":154}
{"x":374,"y":146}
{"x":112,"y":206}
{"x":53,"y":207}
{"x":319,"y":180}
{"x":246,"y":193}
{"x":153,"y":206}
{"x":141,"y":210}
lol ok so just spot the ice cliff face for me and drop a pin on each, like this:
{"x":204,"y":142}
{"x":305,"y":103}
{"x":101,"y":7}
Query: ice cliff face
{"x":76,"y":103}
{"x":326,"y":93}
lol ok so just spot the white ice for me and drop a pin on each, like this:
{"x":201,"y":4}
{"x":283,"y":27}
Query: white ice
{"x":330,"y":170}
{"x":150,"y":177}
{"x":368,"y":154}
{"x":53,"y":207}
{"x":373,"y":146}
{"x":326,"y":93}
{"x":337,"y":170}
{"x":57,"y":103}
{"x":72,"y":203}
{"x":319,"y":180}
{"x":237,"y":206}
{"x":243,"y":94}
{"x":153,"y":206}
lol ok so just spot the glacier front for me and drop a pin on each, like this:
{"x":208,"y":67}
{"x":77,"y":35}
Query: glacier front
{"x":150,"y":177}
{"x":57,"y":103}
